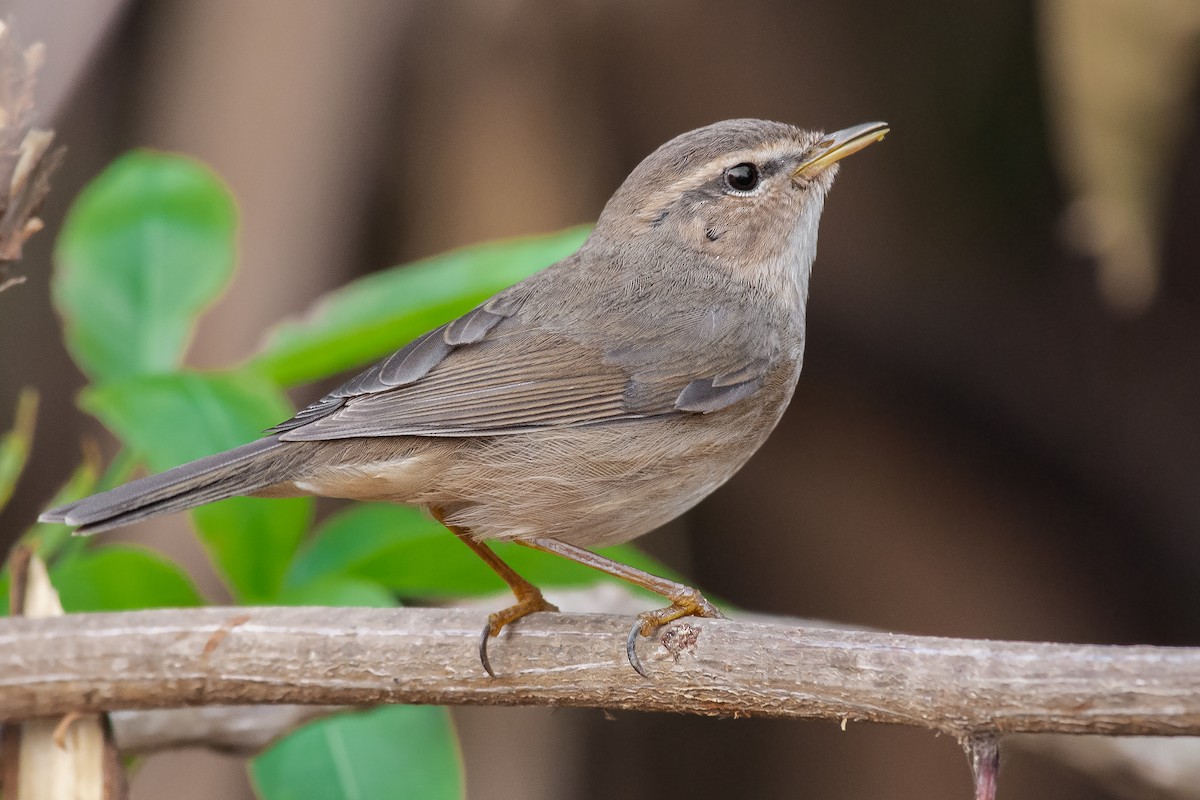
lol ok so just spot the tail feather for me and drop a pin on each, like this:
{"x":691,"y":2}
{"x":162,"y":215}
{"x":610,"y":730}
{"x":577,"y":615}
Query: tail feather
{"x":239,"y":471}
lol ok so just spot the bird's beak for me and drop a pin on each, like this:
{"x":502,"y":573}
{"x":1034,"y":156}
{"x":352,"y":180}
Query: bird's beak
{"x":837,"y":146}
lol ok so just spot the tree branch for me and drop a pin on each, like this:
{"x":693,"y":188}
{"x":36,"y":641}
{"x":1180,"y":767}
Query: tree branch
{"x":359,"y":656}
{"x":235,"y":730}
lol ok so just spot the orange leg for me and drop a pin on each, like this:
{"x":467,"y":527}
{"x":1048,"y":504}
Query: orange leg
{"x":529,"y":597}
{"x":685,"y":601}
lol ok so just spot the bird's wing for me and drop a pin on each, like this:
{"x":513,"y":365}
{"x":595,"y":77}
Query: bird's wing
{"x":491,"y":373}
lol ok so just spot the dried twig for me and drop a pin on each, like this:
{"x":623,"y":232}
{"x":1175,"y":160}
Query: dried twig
{"x":27,"y":155}
{"x":983,"y":752}
{"x":235,"y":730}
{"x":158,"y":659}
{"x":72,"y":756}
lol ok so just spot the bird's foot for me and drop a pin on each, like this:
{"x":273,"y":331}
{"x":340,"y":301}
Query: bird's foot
{"x":528,"y":602}
{"x":685,"y":604}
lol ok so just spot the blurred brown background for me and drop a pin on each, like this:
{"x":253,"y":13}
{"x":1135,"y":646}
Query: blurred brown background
{"x":998,"y":429}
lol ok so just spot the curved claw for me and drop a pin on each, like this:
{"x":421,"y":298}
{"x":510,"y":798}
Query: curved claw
{"x":631,"y":649}
{"x":531,"y":603}
{"x":687,"y":603}
{"x":483,"y":654}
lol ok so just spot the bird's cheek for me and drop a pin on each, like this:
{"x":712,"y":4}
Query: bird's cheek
{"x":698,"y":233}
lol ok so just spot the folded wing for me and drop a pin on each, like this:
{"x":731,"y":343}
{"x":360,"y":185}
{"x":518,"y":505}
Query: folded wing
{"x":492,"y":373}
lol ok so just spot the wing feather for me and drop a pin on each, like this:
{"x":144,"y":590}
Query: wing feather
{"x":492,"y":372}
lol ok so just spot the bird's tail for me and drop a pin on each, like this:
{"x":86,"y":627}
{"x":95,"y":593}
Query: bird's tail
{"x":239,"y":471}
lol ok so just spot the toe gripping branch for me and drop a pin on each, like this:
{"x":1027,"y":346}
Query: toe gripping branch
{"x":529,"y":603}
{"x":685,"y":601}
{"x":689,"y":603}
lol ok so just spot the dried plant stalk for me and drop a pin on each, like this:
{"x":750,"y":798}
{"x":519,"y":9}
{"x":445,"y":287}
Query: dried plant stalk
{"x":27,"y":153}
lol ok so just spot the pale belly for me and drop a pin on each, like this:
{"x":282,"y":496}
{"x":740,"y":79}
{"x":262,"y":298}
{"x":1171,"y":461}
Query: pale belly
{"x":590,"y":486}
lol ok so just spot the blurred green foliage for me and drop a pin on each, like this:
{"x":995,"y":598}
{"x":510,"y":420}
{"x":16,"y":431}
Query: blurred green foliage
{"x":363,"y":321}
{"x":146,"y":247}
{"x":396,"y":751}
{"x":168,"y":419}
{"x":14,"y":445}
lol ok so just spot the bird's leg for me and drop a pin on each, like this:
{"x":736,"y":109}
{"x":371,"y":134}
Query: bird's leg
{"x":685,"y":601}
{"x":529,"y":597}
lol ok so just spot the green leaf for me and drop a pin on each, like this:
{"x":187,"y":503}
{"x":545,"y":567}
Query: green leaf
{"x":358,"y":535}
{"x":374,"y":315}
{"x":394,"y":751}
{"x":336,"y":590}
{"x":14,"y":445}
{"x":148,"y":244}
{"x":400,"y":548}
{"x":170,"y":419}
{"x":122,"y":578}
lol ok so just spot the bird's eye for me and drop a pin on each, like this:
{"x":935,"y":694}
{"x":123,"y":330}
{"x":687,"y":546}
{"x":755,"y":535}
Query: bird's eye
{"x":742,"y":178}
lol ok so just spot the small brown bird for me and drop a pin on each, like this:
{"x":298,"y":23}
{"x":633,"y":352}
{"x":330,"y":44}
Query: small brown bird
{"x":589,"y":403}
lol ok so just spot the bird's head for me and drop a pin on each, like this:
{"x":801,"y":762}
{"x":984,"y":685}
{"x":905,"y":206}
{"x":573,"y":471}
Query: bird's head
{"x":746,"y":193}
